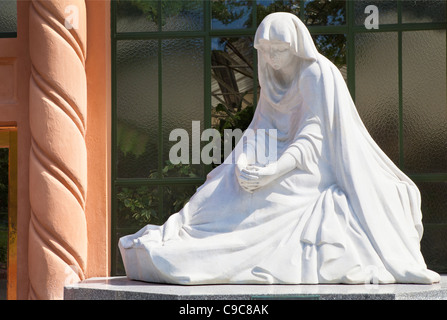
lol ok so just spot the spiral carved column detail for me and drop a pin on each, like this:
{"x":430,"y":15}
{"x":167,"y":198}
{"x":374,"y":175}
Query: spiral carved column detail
{"x":58,"y":157}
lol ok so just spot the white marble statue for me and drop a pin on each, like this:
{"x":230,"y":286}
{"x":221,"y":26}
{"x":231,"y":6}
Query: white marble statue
{"x":332,"y":209}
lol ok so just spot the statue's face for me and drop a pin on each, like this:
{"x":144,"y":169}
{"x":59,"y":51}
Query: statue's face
{"x":277,"y":54}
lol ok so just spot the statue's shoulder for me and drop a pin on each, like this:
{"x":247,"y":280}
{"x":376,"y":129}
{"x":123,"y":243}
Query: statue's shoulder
{"x":310,"y":75}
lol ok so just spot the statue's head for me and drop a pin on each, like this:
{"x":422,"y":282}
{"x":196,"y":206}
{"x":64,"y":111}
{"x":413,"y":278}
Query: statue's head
{"x":286,"y":35}
{"x":285,"y":47}
{"x":277,"y":53}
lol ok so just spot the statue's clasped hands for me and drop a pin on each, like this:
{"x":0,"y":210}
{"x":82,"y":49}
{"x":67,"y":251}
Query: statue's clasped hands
{"x":253,"y":177}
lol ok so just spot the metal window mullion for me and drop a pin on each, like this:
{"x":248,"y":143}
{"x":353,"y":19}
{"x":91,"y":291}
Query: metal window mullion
{"x":428,"y":177}
{"x":400,"y":85}
{"x":232,"y":32}
{"x":350,"y":59}
{"x":127,"y":230}
{"x":155,"y":182}
{"x":160,"y":111}
{"x":254,"y":14}
{"x":8,"y":35}
{"x":207,"y":64}
{"x":159,"y":35}
{"x":207,"y":72}
{"x":160,"y":16}
{"x":114,"y":213}
{"x":160,"y":108}
{"x":255,"y":57}
{"x":328,"y":29}
{"x":406,"y":27}
{"x":401,"y":111}
{"x":302,"y":16}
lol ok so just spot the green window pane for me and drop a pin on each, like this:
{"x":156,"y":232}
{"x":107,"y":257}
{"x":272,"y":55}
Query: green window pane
{"x":183,"y":96}
{"x":137,"y":108}
{"x":434,"y":247}
{"x":137,"y":206}
{"x":423,"y":11}
{"x":424,"y":101}
{"x":182,"y":15}
{"x":231,"y":14}
{"x":325,"y":12}
{"x":8,"y":16}
{"x":136,"y":16}
{"x":434,"y":217}
{"x":387,"y":10}
{"x":377,"y":88}
{"x":265,"y":7}
{"x":434,"y":201}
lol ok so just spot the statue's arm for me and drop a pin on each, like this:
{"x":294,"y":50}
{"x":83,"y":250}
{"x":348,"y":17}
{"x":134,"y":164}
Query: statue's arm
{"x":303,"y":153}
{"x":306,"y":149}
{"x":253,"y":177}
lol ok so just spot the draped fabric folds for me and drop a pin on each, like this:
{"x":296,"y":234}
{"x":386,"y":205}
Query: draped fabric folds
{"x":345,"y":214}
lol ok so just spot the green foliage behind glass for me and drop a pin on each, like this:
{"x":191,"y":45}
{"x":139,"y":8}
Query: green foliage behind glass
{"x":150,"y":8}
{"x":138,"y":204}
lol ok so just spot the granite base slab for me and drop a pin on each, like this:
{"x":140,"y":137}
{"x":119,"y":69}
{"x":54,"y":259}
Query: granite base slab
{"x":122,"y":288}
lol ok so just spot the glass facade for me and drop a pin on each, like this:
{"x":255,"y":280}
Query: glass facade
{"x":180,"y":64}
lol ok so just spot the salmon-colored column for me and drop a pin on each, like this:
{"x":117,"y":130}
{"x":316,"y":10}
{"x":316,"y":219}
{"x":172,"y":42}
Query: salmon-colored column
{"x":58,"y":157}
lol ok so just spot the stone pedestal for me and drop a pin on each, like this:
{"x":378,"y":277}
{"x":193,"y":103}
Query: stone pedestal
{"x":121,"y":288}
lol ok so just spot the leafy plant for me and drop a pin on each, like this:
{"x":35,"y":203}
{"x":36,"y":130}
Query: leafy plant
{"x":230,"y":11}
{"x":238,"y":120}
{"x":141,"y":204}
{"x":150,"y":8}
